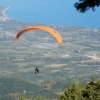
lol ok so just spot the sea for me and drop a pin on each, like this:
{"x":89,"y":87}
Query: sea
{"x":51,"y":12}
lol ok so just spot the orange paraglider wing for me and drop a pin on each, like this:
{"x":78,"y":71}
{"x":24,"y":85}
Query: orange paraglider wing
{"x":45,"y":28}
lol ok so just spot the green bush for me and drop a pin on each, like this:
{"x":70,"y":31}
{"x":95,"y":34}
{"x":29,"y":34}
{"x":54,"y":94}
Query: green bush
{"x":91,"y":91}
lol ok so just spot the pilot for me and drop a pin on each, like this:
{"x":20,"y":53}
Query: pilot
{"x":36,"y":70}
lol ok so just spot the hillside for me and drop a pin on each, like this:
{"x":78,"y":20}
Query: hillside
{"x":12,"y":89}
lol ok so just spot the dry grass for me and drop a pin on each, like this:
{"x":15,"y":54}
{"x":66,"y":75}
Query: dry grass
{"x":56,"y":65}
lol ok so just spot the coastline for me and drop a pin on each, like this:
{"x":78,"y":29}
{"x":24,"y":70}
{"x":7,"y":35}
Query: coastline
{"x":3,"y":12}
{"x":69,"y":21}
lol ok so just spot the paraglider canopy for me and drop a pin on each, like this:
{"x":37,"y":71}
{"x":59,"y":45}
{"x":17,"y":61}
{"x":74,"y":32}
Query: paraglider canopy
{"x":45,"y":28}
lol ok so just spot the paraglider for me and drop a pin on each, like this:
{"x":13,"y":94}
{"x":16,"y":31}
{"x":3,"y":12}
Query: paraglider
{"x":45,"y":28}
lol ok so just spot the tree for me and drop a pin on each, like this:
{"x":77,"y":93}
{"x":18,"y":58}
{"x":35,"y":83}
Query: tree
{"x":91,"y":91}
{"x":22,"y":98}
{"x":41,"y":98}
{"x":72,"y":93}
{"x":84,"y":5}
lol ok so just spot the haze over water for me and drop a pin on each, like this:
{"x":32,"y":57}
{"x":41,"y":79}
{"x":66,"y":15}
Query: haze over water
{"x":58,"y":12}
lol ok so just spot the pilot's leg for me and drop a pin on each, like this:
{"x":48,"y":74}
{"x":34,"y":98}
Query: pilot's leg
{"x":35,"y":72}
